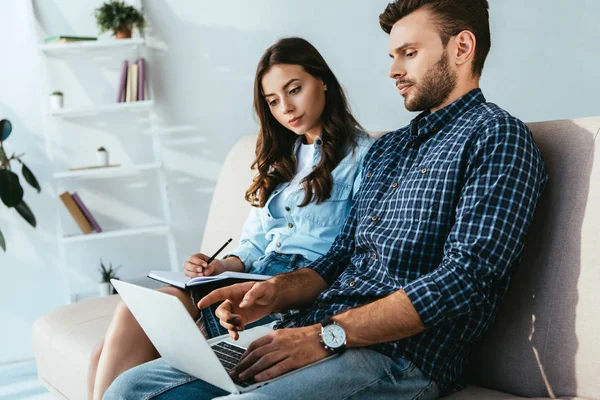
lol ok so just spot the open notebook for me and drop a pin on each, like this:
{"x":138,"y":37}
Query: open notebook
{"x":178,"y":279}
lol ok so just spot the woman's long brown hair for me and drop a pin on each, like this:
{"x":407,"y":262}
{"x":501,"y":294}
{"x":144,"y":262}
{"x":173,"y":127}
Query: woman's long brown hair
{"x":275,"y":162}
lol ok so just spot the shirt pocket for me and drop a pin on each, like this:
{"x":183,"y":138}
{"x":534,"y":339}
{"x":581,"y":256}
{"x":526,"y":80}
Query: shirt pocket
{"x":419,"y":194}
{"x":332,"y":211}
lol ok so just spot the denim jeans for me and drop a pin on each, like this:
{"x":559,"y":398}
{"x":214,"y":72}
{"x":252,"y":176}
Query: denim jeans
{"x":270,"y":264}
{"x":355,"y":374}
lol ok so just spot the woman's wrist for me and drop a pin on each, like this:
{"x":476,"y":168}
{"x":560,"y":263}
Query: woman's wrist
{"x":233,"y":263}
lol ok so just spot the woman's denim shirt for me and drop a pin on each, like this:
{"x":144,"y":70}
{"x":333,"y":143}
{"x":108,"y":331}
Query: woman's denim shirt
{"x":310,"y":230}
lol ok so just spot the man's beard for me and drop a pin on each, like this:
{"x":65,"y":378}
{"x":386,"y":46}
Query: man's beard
{"x":435,"y":87}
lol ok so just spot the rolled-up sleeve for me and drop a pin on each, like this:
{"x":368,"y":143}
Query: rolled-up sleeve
{"x":505,"y":176}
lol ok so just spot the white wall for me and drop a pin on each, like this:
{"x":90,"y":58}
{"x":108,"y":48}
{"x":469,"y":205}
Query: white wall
{"x":543,"y":65}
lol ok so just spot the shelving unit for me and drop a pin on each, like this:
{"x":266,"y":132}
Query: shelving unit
{"x":99,"y":55}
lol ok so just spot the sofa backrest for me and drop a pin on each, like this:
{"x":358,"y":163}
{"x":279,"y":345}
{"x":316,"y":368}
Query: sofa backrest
{"x":543,"y":342}
{"x":545,"y":339}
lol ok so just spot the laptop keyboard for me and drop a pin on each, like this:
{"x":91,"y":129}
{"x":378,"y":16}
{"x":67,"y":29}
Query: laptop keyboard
{"x":229,"y":355}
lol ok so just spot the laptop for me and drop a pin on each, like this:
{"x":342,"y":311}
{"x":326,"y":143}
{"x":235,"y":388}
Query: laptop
{"x":182,"y":345}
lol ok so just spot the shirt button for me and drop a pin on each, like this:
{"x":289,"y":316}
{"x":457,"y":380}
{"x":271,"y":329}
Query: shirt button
{"x":374,"y":218}
{"x":424,"y":170}
{"x":369,"y":175}
{"x":374,"y":256}
{"x":395,"y":184}
{"x":287,"y":209}
{"x":352,"y":284}
{"x":290,"y":225}
{"x":320,"y":305}
{"x":318,"y":141}
{"x":278,"y":244}
{"x":268,"y":215}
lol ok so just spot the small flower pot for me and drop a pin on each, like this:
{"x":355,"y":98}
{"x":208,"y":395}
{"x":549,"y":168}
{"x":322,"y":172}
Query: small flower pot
{"x":56,"y":101}
{"x":123,"y":33}
{"x":102,"y":156}
{"x":104,"y":289}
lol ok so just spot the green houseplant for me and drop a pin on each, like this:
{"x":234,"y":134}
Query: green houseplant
{"x":120,"y":18}
{"x":11,"y":191}
{"x":107,"y":273}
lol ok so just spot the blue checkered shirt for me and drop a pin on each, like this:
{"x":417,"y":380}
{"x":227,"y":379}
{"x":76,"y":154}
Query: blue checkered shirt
{"x":442,"y":212}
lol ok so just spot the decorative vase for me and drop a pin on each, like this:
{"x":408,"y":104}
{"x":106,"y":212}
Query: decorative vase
{"x":104,"y":288}
{"x":123,"y":33}
{"x":102,"y":156}
{"x":56,"y":101}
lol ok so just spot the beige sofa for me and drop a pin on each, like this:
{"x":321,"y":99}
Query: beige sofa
{"x":543,"y":344}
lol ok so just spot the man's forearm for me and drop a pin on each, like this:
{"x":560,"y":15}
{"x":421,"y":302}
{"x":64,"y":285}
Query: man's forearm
{"x":297,"y":289}
{"x":385,"y":320}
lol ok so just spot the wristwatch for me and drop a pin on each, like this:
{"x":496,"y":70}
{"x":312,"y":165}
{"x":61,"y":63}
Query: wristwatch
{"x":333,"y":336}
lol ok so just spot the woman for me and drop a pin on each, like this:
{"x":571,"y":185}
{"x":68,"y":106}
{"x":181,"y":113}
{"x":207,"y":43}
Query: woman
{"x":308,"y":160}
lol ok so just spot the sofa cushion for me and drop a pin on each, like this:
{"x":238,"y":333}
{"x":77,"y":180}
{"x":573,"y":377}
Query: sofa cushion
{"x":479,"y":393}
{"x":545,"y":339}
{"x":63,"y":341}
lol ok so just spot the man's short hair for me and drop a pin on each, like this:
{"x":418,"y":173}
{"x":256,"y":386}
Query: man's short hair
{"x":452,"y":17}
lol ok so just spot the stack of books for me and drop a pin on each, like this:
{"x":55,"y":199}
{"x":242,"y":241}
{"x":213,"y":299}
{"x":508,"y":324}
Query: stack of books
{"x":68,"y":39}
{"x":80,"y":213}
{"x":132,"y":83}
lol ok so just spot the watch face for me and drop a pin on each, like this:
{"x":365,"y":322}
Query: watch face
{"x":334,"y":336}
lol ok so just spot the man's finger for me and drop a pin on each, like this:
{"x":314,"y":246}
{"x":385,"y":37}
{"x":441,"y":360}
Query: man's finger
{"x":215,"y":296}
{"x":256,"y":295}
{"x":263,"y":363}
{"x":260,"y":342}
{"x":284,"y":366}
{"x":250,"y":358}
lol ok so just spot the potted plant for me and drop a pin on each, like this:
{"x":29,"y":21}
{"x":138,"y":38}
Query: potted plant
{"x":119,"y":18}
{"x":102,"y":156}
{"x":56,"y":100}
{"x":11,"y":191}
{"x":105,"y":287}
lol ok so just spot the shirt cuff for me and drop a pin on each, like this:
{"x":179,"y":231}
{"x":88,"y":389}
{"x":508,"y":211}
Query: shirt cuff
{"x":247,"y":254}
{"x":441,"y":295}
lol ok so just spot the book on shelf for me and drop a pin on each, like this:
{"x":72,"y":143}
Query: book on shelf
{"x":141,"y":62}
{"x":123,"y":82}
{"x":94,"y":167}
{"x":180,"y":280}
{"x":86,"y":212}
{"x":128,"y":84}
{"x":68,"y":39}
{"x":76,"y":213}
{"x":134,"y":82}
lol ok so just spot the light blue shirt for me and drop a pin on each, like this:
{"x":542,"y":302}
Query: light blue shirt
{"x":310,"y":230}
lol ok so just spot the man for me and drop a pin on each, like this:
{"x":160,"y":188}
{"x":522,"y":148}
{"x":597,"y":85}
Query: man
{"x":416,"y":275}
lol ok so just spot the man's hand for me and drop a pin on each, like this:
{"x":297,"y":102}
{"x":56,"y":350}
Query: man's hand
{"x":280,"y":352}
{"x":242,"y":304}
{"x":196,"y":266}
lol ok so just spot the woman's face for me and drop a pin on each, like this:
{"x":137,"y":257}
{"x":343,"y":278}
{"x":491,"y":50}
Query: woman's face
{"x":296,"y":99}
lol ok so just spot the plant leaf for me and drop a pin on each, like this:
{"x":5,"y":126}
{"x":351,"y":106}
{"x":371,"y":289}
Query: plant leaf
{"x":2,"y":242}
{"x":23,"y":209}
{"x":5,"y":129}
{"x":30,"y":178}
{"x":11,"y":191}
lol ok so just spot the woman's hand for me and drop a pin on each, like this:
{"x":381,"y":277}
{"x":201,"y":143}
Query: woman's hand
{"x":196,"y":266}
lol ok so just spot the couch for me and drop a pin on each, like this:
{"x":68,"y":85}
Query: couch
{"x":543,"y":342}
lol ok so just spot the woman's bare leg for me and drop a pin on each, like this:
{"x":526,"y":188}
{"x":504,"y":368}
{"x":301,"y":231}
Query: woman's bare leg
{"x":126,"y":345}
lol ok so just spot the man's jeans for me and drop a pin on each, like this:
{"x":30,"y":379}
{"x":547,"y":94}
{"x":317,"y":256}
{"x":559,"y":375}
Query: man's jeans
{"x":355,"y":374}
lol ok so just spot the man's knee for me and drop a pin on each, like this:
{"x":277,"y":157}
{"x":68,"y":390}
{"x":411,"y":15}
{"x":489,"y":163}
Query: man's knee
{"x":125,"y":387}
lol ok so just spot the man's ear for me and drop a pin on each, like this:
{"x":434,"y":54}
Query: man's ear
{"x":464,"y":47}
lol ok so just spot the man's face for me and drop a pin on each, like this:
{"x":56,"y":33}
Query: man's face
{"x":421,"y":67}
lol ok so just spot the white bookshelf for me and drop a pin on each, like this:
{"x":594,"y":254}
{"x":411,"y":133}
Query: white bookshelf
{"x":101,"y":55}
{"x":107,"y":172}
{"x":152,"y":229}
{"x":92,"y":47}
{"x":115,"y":108}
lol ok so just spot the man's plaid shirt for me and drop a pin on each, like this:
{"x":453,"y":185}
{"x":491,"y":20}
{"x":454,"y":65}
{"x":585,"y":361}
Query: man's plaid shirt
{"x":442,"y":212}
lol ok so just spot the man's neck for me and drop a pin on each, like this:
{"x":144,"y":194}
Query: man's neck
{"x":459,"y":91}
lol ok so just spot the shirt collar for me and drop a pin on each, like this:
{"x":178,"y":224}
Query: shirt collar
{"x":429,"y":123}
